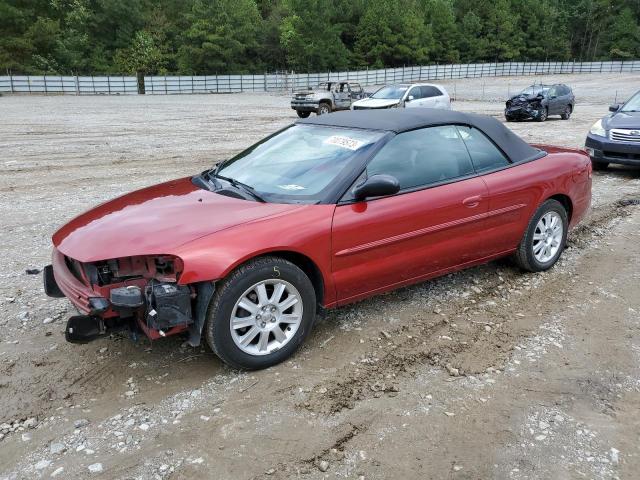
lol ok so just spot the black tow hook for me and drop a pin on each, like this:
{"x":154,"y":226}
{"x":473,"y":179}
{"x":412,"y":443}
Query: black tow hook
{"x":84,"y":328}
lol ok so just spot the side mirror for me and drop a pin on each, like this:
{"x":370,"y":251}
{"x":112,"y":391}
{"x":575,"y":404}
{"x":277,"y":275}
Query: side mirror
{"x":615,"y":107}
{"x":409,"y":98}
{"x":376,"y":186}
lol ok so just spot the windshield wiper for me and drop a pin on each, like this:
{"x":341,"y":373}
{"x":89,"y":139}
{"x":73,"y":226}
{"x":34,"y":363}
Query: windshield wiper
{"x":239,"y":185}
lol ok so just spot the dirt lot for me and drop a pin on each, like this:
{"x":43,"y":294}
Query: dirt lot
{"x":487,"y":373}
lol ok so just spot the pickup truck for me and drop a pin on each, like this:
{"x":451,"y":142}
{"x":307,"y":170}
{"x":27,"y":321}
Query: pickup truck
{"x":326,"y":98}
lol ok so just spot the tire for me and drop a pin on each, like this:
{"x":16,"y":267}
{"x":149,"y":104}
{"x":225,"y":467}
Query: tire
{"x":566,"y":114}
{"x":526,"y":256}
{"x":543,"y":115}
{"x":302,"y":114}
{"x":324,"y":108}
{"x":242,"y":286}
{"x":599,"y":165}
{"x":509,"y":118}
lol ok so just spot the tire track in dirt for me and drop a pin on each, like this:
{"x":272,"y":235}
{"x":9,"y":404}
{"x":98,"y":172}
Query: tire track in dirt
{"x":344,"y":434}
{"x":459,"y":338}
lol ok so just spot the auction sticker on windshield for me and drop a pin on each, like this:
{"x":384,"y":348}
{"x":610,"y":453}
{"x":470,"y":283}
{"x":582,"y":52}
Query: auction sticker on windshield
{"x":344,"y":142}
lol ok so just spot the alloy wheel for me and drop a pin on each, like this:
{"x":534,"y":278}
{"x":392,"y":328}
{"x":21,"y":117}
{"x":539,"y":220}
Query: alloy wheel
{"x":547,"y":237}
{"x":266,"y":317}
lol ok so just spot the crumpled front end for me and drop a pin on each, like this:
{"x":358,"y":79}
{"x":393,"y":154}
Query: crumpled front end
{"x":305,"y":101}
{"x":523,"y":108}
{"x":135,"y":294}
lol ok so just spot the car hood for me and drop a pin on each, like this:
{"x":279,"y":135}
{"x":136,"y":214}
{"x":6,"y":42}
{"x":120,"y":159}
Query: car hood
{"x":156,"y":220}
{"x":622,"y":120}
{"x":526,"y":98}
{"x":375,"y":102}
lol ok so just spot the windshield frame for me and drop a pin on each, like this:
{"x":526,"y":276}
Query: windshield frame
{"x":335,"y":189}
{"x":634,"y":97}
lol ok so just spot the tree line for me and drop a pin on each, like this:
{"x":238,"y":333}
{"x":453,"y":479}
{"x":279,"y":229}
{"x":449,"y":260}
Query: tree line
{"x":251,"y":36}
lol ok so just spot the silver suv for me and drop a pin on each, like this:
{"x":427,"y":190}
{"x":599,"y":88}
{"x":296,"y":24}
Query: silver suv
{"x":326,"y":98}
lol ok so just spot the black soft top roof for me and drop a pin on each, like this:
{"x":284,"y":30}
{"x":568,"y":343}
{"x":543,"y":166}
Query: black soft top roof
{"x":403,"y":120}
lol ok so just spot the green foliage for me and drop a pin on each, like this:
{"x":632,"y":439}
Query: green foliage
{"x":392,"y":33}
{"x":222,"y":37}
{"x":233,"y":36}
{"x":143,"y":56}
{"x":310,"y":36}
{"x":624,"y":37}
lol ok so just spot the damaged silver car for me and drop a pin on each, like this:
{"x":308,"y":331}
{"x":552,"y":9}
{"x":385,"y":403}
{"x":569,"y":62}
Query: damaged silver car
{"x":326,"y":98}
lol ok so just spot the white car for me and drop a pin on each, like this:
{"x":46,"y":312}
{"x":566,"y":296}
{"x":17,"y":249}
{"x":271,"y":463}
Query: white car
{"x":406,"y":95}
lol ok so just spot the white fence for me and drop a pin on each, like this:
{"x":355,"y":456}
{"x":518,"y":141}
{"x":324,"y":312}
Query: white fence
{"x":73,"y":85}
{"x":286,"y":82}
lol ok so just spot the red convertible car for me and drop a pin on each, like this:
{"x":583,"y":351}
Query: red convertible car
{"x":327,"y":211}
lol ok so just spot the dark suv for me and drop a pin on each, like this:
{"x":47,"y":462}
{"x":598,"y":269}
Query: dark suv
{"x":615,"y":138}
{"x":539,"y":101}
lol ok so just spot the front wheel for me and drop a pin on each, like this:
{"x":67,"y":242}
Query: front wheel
{"x":544,"y":239}
{"x":544,"y":113}
{"x":566,"y":113}
{"x":302,"y":114}
{"x":261,"y":313}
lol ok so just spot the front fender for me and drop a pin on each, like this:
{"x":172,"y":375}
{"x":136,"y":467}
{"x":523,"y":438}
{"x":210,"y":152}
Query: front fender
{"x":305,"y":231}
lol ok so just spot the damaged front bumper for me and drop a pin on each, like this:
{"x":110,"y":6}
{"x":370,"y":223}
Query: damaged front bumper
{"x":305,"y":105}
{"x":523,"y":111}
{"x":157,"y":308}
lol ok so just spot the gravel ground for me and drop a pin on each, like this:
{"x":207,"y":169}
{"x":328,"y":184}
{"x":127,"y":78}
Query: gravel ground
{"x":486,"y":373}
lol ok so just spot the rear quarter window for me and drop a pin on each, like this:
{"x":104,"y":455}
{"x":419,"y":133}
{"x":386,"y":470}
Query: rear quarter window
{"x":484,"y":154}
{"x":430,"y":91}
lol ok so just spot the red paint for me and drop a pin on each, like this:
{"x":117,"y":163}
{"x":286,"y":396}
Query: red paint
{"x":360,"y":249}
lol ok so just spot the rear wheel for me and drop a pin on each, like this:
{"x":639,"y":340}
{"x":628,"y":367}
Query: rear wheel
{"x":261,"y":313}
{"x":599,"y":165}
{"x":544,"y":239}
{"x":302,"y":114}
{"x":324,"y":108}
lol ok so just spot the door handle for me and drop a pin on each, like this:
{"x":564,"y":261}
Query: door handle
{"x":472,"y":202}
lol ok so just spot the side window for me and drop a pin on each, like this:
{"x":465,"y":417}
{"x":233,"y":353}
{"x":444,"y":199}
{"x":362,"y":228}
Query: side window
{"x":415,"y":92}
{"x":423,"y":157}
{"x":484,"y":154}
{"x":553,"y":91}
{"x":429,"y":91}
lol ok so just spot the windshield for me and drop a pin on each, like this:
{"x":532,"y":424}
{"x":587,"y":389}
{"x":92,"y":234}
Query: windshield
{"x":535,"y":90}
{"x":392,"y":92}
{"x":300,"y":163}
{"x":633,"y":105}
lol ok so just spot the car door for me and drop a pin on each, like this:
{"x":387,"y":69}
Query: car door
{"x":356,"y":91}
{"x":416,"y":99}
{"x":512,"y":193}
{"x":432,"y":96}
{"x":566,"y":97}
{"x":342,"y":96}
{"x":554,"y":100}
{"x":433,"y":224}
